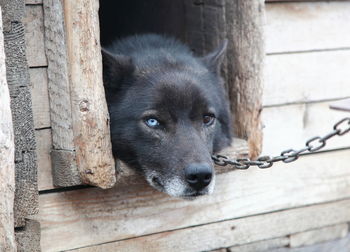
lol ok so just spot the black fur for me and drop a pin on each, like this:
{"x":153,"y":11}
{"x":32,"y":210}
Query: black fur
{"x":151,"y":76}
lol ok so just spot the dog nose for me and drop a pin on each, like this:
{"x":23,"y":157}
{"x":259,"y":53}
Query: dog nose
{"x":198,"y":175}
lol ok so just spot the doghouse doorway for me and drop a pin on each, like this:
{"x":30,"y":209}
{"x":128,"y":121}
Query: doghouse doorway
{"x":119,"y":19}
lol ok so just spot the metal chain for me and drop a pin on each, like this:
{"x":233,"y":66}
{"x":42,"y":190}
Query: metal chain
{"x":311,"y":146}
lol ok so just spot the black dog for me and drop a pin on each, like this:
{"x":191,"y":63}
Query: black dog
{"x":168,"y":111}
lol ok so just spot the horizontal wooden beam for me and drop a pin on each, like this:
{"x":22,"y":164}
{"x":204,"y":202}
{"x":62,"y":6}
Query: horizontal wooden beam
{"x":306,"y":77}
{"x":118,"y":212}
{"x":321,"y":25}
{"x":234,"y":232}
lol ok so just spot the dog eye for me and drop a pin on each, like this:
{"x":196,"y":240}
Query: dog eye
{"x":152,"y":122}
{"x":208,"y":119}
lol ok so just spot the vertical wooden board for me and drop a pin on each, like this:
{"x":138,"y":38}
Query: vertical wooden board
{"x":89,"y":108}
{"x":63,"y":150}
{"x":291,"y":126}
{"x":307,"y":26}
{"x":28,"y":239}
{"x":7,"y":157}
{"x":34,"y":35}
{"x":26,"y":193}
{"x":58,"y":82}
{"x":244,"y":21}
{"x":233,"y":232}
{"x":305,"y":77}
{"x":44,"y":145}
{"x":133,"y":209}
{"x":40,"y":97}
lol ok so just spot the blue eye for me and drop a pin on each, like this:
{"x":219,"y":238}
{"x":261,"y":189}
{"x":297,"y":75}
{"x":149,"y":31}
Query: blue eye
{"x":151,"y":122}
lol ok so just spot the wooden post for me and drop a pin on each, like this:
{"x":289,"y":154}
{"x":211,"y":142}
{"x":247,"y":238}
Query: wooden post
{"x":17,"y":74}
{"x":244,"y":20}
{"x":89,"y":109}
{"x":7,"y":159}
{"x":79,"y":116}
{"x":65,"y":171}
{"x":241,"y":21}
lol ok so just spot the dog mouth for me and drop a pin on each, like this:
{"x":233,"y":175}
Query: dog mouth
{"x":194,"y":195}
{"x":181,"y":191}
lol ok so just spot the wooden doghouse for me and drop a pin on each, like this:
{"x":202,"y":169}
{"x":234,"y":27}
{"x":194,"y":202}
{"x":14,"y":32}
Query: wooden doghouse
{"x":61,"y":140}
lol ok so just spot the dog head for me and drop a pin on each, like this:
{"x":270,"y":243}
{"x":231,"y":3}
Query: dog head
{"x":168,"y":115}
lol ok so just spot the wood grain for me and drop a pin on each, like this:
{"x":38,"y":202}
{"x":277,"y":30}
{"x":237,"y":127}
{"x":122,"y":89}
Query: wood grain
{"x":264,"y":245}
{"x":28,"y":2}
{"x":34,"y":34}
{"x":92,"y":142}
{"x":28,"y":238}
{"x":26,"y":193}
{"x":59,"y":92}
{"x":291,"y":126}
{"x":40,"y":97}
{"x":7,"y":157}
{"x":245,"y":68}
{"x":320,"y":235}
{"x":306,"y":77}
{"x":234,"y":232}
{"x":292,"y":27}
{"x":133,"y":209}
{"x":331,"y":246}
{"x":44,"y":144}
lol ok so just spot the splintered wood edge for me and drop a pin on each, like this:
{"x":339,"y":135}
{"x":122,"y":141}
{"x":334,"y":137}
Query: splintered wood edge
{"x":238,"y":149}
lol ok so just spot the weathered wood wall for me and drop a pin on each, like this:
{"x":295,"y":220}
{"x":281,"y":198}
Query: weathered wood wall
{"x":7,"y":159}
{"x":306,"y":68}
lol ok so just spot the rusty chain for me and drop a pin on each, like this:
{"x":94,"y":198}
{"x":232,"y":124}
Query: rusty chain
{"x":311,"y":146}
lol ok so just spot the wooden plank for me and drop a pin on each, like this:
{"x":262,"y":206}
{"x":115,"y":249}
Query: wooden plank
{"x":315,"y":236}
{"x":34,"y":34}
{"x":245,"y":68}
{"x":307,"y":26}
{"x":7,"y":157}
{"x":40,"y":97}
{"x":63,"y":150}
{"x":28,"y":238}
{"x":234,"y":232}
{"x":26,"y":193}
{"x":34,"y":2}
{"x":291,"y":126}
{"x":340,"y":245}
{"x":306,"y":77}
{"x":92,"y":141}
{"x":44,"y":145}
{"x":133,"y":208}
{"x":264,"y":245}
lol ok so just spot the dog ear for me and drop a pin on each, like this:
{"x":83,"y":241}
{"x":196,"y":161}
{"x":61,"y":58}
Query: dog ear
{"x":115,"y":68}
{"x":214,"y":59}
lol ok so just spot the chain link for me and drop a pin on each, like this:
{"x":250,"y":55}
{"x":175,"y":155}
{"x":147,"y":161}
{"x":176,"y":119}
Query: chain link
{"x":311,"y":146}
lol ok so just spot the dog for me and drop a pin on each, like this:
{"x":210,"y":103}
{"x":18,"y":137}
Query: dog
{"x":168,"y":111}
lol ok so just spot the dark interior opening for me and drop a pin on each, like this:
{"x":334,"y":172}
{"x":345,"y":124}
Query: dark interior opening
{"x":120,"y":18}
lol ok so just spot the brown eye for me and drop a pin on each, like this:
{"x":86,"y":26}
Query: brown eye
{"x":208,"y":119}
